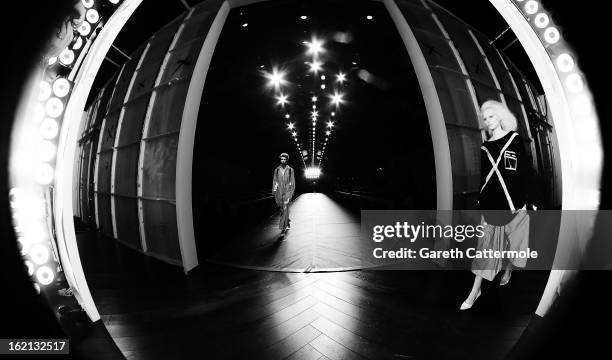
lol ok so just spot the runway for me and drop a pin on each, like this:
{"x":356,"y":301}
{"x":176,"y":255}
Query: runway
{"x":324,"y":236}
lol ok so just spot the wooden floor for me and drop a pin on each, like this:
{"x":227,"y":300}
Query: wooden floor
{"x":152,"y":311}
{"x":324,"y":236}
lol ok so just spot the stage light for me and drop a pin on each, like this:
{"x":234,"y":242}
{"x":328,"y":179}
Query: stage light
{"x":61,"y":87}
{"x":39,"y":254}
{"x":46,"y":150}
{"x":44,"y":91}
{"x":282,"y":99}
{"x":341,"y":78}
{"x":330,"y":124}
{"x":54,"y":107}
{"x":315,"y":66}
{"x":333,"y":113}
{"x":276,"y":78}
{"x":541,"y":20}
{"x":287,"y":116}
{"x":315,"y":47}
{"x":66,"y":57}
{"x":48,"y":128}
{"x":574,"y":83}
{"x":92,"y":16}
{"x":531,"y":7}
{"x":290,"y":126}
{"x":369,"y":17}
{"x":294,"y":133}
{"x":322,"y":77}
{"x":323,"y":86}
{"x":303,"y":17}
{"x":314,"y":114}
{"x":245,"y":25}
{"x":44,"y":275}
{"x":551,"y":35}
{"x":312,"y":172}
{"x":44,"y":174}
{"x":314,"y":99}
{"x":337,"y":99}
{"x":327,"y":132}
{"x":565,"y":63}
{"x":84,"y":29}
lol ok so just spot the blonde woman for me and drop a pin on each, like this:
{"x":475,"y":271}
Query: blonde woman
{"x":505,"y":182}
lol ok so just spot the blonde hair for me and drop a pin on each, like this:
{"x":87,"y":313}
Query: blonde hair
{"x":507,"y":119}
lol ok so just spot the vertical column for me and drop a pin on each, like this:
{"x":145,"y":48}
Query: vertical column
{"x":117,"y":137}
{"x":184,"y":161}
{"x":145,"y":133}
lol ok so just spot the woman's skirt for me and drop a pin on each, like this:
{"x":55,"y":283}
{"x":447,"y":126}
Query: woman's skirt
{"x":513,"y":236}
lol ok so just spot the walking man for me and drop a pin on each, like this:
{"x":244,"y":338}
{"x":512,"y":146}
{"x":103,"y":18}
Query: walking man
{"x":283,"y":186}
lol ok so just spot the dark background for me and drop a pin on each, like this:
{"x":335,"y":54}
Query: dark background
{"x":571,"y":331}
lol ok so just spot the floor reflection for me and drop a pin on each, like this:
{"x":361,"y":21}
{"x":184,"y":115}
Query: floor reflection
{"x":324,"y":236}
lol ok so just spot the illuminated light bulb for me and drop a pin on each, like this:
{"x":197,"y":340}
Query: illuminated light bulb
{"x":303,"y":17}
{"x":565,"y":62}
{"x":323,"y":86}
{"x":46,"y":150}
{"x":15,"y":197}
{"x":333,"y":113}
{"x":531,"y":7}
{"x":66,"y":57}
{"x":314,"y":99}
{"x":245,"y":25}
{"x":61,"y":87}
{"x":322,"y":77}
{"x":327,"y":132}
{"x":337,"y":99}
{"x":574,"y":83}
{"x":78,"y":43}
{"x":314,"y":106}
{"x":35,"y":233}
{"x":276,"y":78}
{"x":315,"y":47}
{"x":282,"y":99}
{"x":87,"y":3}
{"x":39,"y":254}
{"x":369,"y":17}
{"x":114,"y":1}
{"x":44,"y":275}
{"x":290,"y":126}
{"x":44,"y":91}
{"x":30,"y":267}
{"x":330,"y":124}
{"x":52,"y":60}
{"x":44,"y":174}
{"x":48,"y":128}
{"x":84,"y":29}
{"x":92,"y":16}
{"x":287,"y":116}
{"x":541,"y":20}
{"x":581,"y":105}
{"x":315,"y":66}
{"x":551,"y":35}
{"x":37,"y":288}
{"x":294,"y":133}
{"x":54,"y":107}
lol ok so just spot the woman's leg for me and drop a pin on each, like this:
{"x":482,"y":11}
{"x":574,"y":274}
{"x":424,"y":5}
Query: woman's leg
{"x":507,"y":273}
{"x":475,"y":289}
